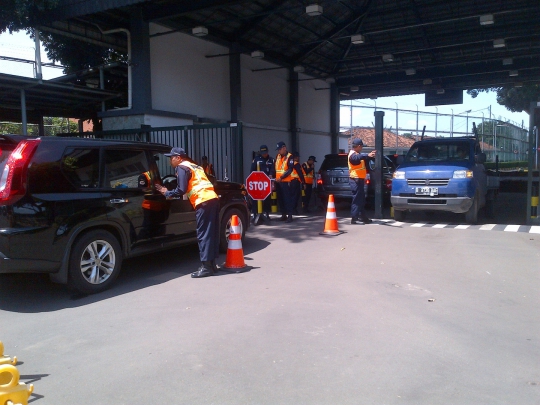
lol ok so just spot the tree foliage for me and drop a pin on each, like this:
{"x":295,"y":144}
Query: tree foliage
{"x":18,"y":15}
{"x":515,"y":99}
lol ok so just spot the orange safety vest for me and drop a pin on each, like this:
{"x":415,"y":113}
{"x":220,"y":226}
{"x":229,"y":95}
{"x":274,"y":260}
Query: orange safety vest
{"x":356,"y":171}
{"x":153,"y":205}
{"x":199,"y":187}
{"x":209,"y":169}
{"x":308,"y":177}
{"x":281,"y":163}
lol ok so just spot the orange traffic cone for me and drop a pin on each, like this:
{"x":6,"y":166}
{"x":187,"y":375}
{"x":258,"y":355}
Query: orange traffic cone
{"x":235,"y":253}
{"x":331,"y":224}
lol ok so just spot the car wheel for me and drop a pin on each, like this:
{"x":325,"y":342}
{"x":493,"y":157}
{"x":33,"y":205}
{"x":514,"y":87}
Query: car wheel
{"x":225,"y":228}
{"x":400,"y":215}
{"x":96,"y":259}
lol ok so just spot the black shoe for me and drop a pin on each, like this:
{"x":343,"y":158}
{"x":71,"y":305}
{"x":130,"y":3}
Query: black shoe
{"x":289,"y":219}
{"x":283,"y":218}
{"x":204,"y":271}
{"x":366,"y":220}
{"x":355,"y":221}
{"x":215,"y":267}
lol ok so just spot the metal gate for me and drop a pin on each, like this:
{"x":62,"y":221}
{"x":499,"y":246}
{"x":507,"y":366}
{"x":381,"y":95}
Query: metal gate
{"x":222,"y":143}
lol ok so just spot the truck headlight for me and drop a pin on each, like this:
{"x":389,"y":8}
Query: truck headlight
{"x":399,"y":175}
{"x":463,"y":174}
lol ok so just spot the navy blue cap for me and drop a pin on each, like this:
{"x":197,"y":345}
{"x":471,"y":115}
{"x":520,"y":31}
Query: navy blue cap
{"x":263,"y":149}
{"x":357,"y":142}
{"x":280,"y":145}
{"x":312,"y":158}
{"x":176,"y":152}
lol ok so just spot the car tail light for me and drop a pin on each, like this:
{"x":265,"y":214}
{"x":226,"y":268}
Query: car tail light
{"x":13,"y":180}
{"x":388,"y":184}
{"x":319,"y":177}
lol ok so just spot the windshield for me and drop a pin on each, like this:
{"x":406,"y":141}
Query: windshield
{"x":438,"y":152}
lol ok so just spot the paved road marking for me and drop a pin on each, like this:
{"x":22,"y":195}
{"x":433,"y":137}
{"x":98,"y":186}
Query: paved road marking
{"x":440,"y":226}
{"x":462,"y":227}
{"x":535,"y":229}
{"x":487,"y":227}
{"x":419,"y":225}
{"x":511,"y":228}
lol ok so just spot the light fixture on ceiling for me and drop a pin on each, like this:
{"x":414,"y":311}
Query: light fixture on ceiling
{"x":518,"y":84}
{"x":257,"y":54}
{"x":314,"y":10}
{"x":358,"y":39}
{"x":427,"y":81}
{"x":344,"y":94}
{"x":200,"y":31}
{"x":508,"y":61}
{"x":513,"y":73}
{"x":499,"y":43}
{"x":355,"y":88}
{"x":487,"y":19}
{"x":298,"y":69}
{"x":330,"y":80}
{"x":410,"y":72}
{"x":388,"y":57}
{"x":440,"y":91}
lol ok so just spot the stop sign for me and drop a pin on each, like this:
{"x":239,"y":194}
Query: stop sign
{"x":258,"y":185}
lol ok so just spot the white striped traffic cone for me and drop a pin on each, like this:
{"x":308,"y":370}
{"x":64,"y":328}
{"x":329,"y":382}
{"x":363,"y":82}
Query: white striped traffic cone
{"x":331,"y":224}
{"x":235,"y":253}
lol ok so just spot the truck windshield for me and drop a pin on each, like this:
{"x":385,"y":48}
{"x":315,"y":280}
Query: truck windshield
{"x":439,"y":152}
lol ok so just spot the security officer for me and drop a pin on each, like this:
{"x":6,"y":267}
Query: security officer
{"x":192,"y":182}
{"x":284,"y":169}
{"x":357,"y":174}
{"x":208,"y":167}
{"x":267,"y":165}
{"x":308,"y":168}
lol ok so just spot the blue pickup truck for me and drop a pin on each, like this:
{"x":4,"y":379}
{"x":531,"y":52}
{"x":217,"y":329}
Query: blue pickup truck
{"x":444,"y":174}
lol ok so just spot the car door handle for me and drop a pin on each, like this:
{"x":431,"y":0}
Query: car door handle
{"x":118,"y":201}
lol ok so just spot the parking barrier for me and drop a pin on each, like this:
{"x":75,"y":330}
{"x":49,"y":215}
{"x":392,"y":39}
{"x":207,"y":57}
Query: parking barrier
{"x":274,"y":202}
{"x":13,"y":390}
{"x":6,"y":359}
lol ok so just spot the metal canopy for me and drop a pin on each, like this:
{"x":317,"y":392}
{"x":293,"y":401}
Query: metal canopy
{"x":48,"y":98}
{"x":410,"y":46}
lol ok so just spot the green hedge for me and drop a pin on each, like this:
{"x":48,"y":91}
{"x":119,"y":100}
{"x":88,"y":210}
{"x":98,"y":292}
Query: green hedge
{"x":517,"y":164}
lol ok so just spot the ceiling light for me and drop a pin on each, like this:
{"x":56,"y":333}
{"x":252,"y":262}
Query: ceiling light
{"x":487,"y":19}
{"x":499,"y":43}
{"x":298,"y":69}
{"x":355,"y":88}
{"x":427,"y":81}
{"x":508,"y":61}
{"x":199,"y":31}
{"x":330,"y":80}
{"x":388,"y":57}
{"x":440,"y":91}
{"x":514,"y":73}
{"x":358,"y":39}
{"x":410,"y":72}
{"x":257,"y":54}
{"x":344,"y":94}
{"x":518,"y":84}
{"x":314,"y":10}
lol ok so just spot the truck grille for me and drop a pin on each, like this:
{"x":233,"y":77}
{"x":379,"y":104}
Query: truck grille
{"x":428,"y":182}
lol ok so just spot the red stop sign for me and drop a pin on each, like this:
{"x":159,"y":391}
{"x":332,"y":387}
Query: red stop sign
{"x":258,"y":185}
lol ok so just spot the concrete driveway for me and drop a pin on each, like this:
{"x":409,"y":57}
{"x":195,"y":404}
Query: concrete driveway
{"x":381,"y":314}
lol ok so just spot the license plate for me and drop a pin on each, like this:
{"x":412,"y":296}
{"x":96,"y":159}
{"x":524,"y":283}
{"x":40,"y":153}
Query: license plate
{"x":431,"y":191}
{"x":340,"y":180}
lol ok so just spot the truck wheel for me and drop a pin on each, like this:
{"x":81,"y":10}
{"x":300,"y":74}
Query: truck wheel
{"x":400,"y":215}
{"x":225,"y":228}
{"x":471,"y":216}
{"x":95,"y":262}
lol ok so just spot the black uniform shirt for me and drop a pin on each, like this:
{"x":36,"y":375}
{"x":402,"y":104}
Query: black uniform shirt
{"x":183,"y":175}
{"x":266,"y":165}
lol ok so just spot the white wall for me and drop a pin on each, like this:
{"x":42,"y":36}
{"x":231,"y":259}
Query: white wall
{"x":184,"y":80}
{"x":313,"y":105}
{"x":158,"y":121}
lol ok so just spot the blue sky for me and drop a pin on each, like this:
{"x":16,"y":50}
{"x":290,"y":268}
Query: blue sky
{"x":19,"y":45}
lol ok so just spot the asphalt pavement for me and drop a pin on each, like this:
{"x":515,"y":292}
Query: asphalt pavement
{"x":381,"y":314}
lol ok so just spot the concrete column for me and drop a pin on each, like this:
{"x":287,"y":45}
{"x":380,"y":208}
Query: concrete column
{"x":140,"y":62}
{"x":293,"y":110}
{"x":379,"y":132}
{"x":235,"y":79}
{"x":334,"y":118}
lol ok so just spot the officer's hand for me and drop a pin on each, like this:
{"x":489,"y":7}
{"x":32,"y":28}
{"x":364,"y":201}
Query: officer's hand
{"x":278,"y":179}
{"x":161,"y":189}
{"x":372,"y":153}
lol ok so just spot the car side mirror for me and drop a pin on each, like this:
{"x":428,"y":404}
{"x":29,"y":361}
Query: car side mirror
{"x":480,"y":158}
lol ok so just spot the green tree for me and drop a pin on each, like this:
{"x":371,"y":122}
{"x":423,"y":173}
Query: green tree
{"x":515,"y":99}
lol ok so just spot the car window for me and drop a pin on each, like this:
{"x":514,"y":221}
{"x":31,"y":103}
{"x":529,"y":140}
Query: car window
{"x":438,"y":152}
{"x":334,"y":162}
{"x":81,"y":167}
{"x":163,"y":164}
{"x":125,"y":168}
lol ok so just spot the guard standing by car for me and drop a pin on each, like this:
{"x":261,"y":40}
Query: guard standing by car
{"x":308,"y":168}
{"x":284,"y":168}
{"x":193,"y":182}
{"x":265,"y":164}
{"x":357,"y":174}
{"x":208,"y":167}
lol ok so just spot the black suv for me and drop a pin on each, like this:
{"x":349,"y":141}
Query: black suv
{"x":75,"y":208}
{"x":333,"y":178}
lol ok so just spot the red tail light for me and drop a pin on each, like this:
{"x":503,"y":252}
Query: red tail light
{"x":388,"y":184}
{"x":13,"y":180}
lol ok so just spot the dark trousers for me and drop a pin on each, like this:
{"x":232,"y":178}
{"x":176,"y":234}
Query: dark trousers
{"x":285,"y":198}
{"x":296,"y":191}
{"x":207,"y":216}
{"x":359,"y":198}
{"x":307,"y":198}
